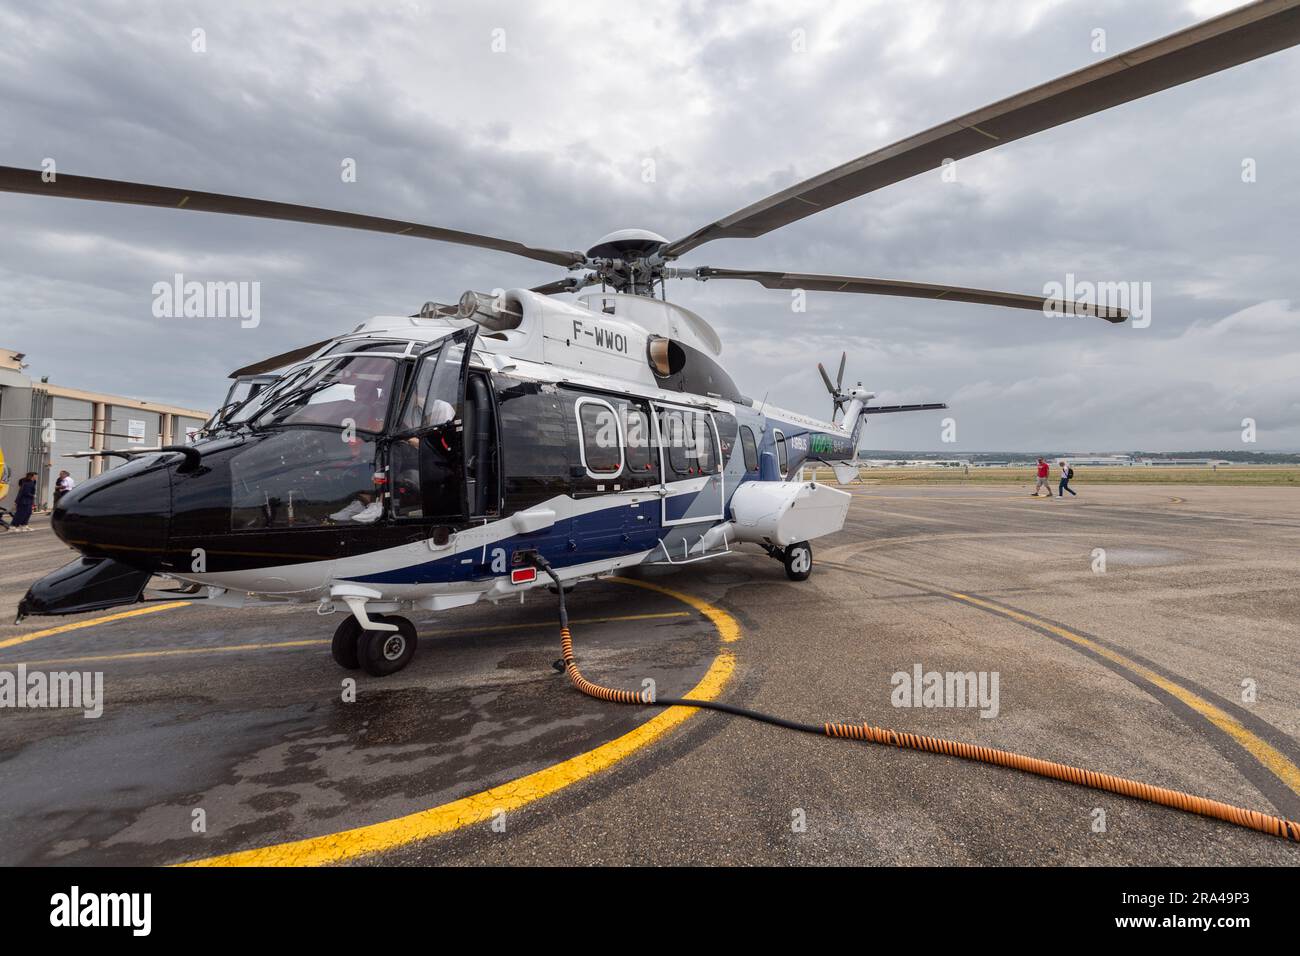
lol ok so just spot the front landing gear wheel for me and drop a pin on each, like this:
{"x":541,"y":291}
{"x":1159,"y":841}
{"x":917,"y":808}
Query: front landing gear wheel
{"x":381,"y":653}
{"x":344,"y":646}
{"x":798,"y":561}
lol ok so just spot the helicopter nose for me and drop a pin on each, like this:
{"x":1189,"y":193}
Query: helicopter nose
{"x":123,"y":514}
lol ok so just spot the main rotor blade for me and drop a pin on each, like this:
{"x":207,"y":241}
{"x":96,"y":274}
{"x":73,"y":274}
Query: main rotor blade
{"x":279,"y":361}
{"x":914,"y":290}
{"x":29,"y":181}
{"x":1204,"y":48}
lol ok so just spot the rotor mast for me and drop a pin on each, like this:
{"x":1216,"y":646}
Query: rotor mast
{"x":627,"y":260}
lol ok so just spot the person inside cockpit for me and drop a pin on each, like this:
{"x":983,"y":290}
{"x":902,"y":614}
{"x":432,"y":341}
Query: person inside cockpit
{"x":363,"y":509}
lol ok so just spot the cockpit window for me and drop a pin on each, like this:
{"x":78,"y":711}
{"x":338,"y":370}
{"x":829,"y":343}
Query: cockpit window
{"x":352,"y":391}
{"x":269,"y":395}
{"x":434,"y":397}
{"x":304,"y":478}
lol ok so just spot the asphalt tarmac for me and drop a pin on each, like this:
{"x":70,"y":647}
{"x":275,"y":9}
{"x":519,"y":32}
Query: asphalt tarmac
{"x":1146,"y":631}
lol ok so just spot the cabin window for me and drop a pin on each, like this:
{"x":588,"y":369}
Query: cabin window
{"x":726,"y":425}
{"x":689,"y":441}
{"x":782,"y":458}
{"x":640,"y":446}
{"x":749,"y":447}
{"x":600,"y":438}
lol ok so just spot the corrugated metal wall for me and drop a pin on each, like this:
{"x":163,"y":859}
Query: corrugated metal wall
{"x":38,"y":452}
{"x":147,"y":431}
{"x":182,"y":422}
{"x":73,"y":423}
{"x":15,"y":414}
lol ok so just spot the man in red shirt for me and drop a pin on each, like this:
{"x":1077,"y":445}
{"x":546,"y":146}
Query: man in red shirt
{"x":1042,"y":484}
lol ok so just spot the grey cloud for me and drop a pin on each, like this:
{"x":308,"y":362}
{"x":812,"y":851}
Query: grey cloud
{"x":544,"y":143}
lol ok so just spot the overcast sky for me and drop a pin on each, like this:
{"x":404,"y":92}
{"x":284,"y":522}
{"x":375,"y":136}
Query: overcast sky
{"x":546,"y":140}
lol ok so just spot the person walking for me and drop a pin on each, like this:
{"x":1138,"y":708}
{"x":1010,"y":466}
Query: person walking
{"x":25,"y":502}
{"x":1042,"y":484}
{"x":1066,"y":474}
{"x":62,"y":486}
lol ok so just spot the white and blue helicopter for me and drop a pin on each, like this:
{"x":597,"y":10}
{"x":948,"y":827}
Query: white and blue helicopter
{"x":428,"y":462}
{"x":424,"y":463}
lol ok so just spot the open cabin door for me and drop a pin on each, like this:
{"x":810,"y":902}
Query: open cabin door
{"x":427,"y":452}
{"x":691,"y":465}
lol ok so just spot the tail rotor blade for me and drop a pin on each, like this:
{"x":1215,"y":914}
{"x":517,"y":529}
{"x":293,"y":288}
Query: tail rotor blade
{"x":839,"y":379}
{"x":826,"y":378}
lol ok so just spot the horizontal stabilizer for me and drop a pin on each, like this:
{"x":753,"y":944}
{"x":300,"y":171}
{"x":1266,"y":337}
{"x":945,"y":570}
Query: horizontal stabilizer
{"x":886,"y":409}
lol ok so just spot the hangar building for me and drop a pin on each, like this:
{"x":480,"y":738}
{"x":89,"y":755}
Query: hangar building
{"x":41,"y":422}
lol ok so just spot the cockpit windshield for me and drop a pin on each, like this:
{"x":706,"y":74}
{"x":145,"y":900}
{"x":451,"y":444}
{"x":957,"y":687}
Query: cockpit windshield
{"x":317,"y":459}
{"x":353,"y":390}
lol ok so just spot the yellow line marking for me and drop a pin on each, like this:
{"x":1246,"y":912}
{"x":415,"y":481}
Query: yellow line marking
{"x":314,"y":642}
{"x":1268,"y":755}
{"x":551,"y":624}
{"x":728,"y":627}
{"x":64,"y":628}
{"x":169,"y":652}
{"x":482,"y":806}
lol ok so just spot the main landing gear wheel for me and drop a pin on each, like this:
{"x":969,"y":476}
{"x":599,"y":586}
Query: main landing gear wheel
{"x":798,"y":561}
{"x":381,"y":653}
{"x":344,"y":646}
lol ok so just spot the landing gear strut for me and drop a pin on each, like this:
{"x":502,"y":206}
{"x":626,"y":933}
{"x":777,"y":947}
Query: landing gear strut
{"x":378,"y":653}
{"x":797,"y":558}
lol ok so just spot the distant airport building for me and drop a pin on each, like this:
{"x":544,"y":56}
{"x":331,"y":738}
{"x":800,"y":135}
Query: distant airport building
{"x":40,"y":423}
{"x":1099,"y":460}
{"x":1184,"y":462}
{"x":913,"y":462}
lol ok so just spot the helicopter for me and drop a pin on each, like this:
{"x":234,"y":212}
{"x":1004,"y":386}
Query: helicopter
{"x":441,"y":459}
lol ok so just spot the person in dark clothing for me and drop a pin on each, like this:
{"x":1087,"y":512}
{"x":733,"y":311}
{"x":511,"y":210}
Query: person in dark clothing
{"x":1066,"y":474}
{"x":25,"y":501}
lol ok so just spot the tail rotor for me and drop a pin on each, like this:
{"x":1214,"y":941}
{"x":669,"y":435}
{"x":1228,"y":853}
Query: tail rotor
{"x":838,"y":398}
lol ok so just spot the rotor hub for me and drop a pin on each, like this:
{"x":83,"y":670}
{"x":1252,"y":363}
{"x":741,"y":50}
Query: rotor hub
{"x":628,"y":260}
{"x":627,"y":244}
